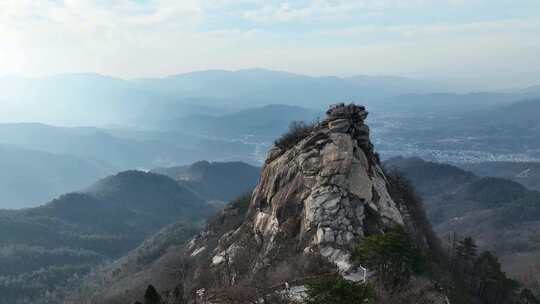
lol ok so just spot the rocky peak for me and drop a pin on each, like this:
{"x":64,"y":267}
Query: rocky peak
{"x":350,"y":114}
{"x":315,"y":197}
{"x":349,"y":119}
{"x":324,"y":192}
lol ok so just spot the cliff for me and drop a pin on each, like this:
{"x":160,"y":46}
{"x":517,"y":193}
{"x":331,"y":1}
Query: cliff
{"x":321,"y":189}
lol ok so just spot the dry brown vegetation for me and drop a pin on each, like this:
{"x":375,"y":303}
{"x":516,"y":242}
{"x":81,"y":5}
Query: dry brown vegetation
{"x":298,"y":130}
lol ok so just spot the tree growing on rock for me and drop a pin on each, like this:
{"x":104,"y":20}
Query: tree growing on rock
{"x":392,"y":255}
{"x":298,"y":130}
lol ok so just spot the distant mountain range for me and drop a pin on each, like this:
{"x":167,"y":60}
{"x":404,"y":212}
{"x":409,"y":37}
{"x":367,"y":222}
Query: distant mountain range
{"x":117,"y":148}
{"x":40,"y":162}
{"x":234,"y":116}
{"x":29,"y":177}
{"x":525,"y":173}
{"x":502,"y":215}
{"x":92,"y":99}
{"x":266,"y":86}
{"x":222,"y":181}
{"x":447,"y":103}
{"x":503,"y":131}
{"x":257,"y":124}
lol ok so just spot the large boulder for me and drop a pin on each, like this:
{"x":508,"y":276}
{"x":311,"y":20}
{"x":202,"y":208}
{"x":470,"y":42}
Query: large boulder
{"x":314,"y":198}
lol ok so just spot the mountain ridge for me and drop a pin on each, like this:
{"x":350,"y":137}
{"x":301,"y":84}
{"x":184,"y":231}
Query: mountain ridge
{"x":221,"y":181}
{"x":321,"y":188}
{"x":70,"y":235}
{"x":31,"y":176}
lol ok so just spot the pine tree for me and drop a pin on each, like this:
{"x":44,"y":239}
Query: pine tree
{"x":491,"y":283}
{"x":393,"y":255}
{"x":466,"y":251}
{"x":151,"y":296}
{"x":469,"y":247}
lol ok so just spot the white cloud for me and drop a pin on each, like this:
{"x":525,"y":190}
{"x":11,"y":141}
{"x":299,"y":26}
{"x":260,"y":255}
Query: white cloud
{"x":434,"y":30}
{"x":159,"y":37}
{"x":283,"y":11}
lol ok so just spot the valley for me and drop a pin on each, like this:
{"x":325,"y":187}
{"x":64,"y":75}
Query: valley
{"x":477,"y":165}
{"x":269,"y":152}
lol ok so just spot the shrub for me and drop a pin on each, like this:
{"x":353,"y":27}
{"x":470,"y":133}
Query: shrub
{"x":242,"y":202}
{"x":298,"y":130}
{"x":337,"y":290}
{"x":393,"y":255}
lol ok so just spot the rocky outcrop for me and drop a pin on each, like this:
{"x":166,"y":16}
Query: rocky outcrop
{"x":314,"y":198}
{"x":329,"y":186}
{"x":320,"y":191}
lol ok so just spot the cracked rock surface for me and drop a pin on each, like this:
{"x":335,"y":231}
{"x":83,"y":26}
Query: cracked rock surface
{"x":317,"y":196}
{"x":330,"y":184}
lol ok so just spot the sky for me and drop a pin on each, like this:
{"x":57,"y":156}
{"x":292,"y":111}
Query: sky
{"x":487,"y":40}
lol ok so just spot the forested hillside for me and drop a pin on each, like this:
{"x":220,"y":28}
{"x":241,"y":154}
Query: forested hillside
{"x":222,"y":181}
{"x":45,"y":250}
{"x":501,"y":215}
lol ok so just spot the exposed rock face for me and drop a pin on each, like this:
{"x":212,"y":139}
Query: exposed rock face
{"x":320,"y":191}
{"x":316,"y":197}
{"x":330,"y":185}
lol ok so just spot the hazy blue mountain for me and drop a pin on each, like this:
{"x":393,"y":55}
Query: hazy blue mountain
{"x":256,"y":87}
{"x":535,"y":89}
{"x":430,"y":178}
{"x":92,"y":144}
{"x":264,"y":123}
{"x":518,"y":114}
{"x":76,"y":99}
{"x":45,"y":250}
{"x":93,"y":99}
{"x":532,"y":89}
{"x":41,"y":162}
{"x":502,"y":215}
{"x":227,"y":84}
{"x":221,"y":181}
{"x":29,"y":177}
{"x":123,"y":149}
{"x":448,"y":103}
{"x":525,"y":173}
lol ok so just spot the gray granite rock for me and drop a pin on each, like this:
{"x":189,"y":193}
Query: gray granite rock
{"x":321,"y":196}
{"x":325,"y":183}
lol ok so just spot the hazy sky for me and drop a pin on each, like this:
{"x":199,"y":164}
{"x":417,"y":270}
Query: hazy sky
{"x":490,"y":39}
